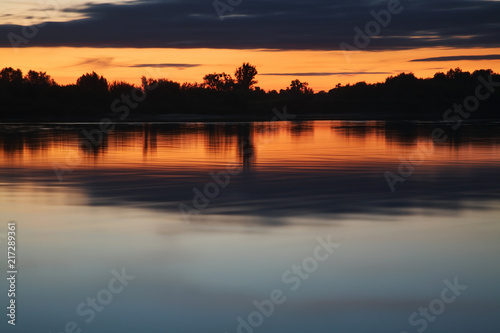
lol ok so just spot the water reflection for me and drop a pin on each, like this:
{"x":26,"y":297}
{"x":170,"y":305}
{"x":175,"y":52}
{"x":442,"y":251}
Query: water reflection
{"x":220,"y":138}
{"x":118,"y":206}
{"x":246,"y":148}
{"x":297,"y":167}
{"x":149,"y":139}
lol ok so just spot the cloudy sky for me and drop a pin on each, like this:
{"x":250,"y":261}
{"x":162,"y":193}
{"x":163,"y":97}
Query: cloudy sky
{"x":185,"y":39}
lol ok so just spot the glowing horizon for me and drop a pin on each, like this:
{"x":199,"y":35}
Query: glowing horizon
{"x":321,"y":69}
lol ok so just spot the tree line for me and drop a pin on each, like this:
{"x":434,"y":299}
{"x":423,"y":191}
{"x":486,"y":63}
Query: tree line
{"x":36,"y":96}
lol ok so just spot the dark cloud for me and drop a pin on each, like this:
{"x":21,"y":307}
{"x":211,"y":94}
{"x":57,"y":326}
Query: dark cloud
{"x":273,"y":24}
{"x":179,"y":66}
{"x":322,"y":73}
{"x":458,"y":58}
{"x":95,"y":62}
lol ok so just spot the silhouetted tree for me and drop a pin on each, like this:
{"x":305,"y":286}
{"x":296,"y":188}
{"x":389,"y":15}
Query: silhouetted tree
{"x":117,"y":88}
{"x":440,"y":76}
{"x":160,"y":95}
{"x":37,"y":97}
{"x":401,"y":79}
{"x":11,"y":75}
{"x":245,"y":76}
{"x":483,"y":72}
{"x":299,"y":95}
{"x":298,"y":88}
{"x":92,"y":82}
{"x":39,"y":79}
{"x":457,"y":74}
{"x":189,"y":86}
{"x":219,"y":81}
{"x":93,"y":94}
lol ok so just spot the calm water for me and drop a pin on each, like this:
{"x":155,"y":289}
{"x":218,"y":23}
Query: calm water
{"x":209,"y":218}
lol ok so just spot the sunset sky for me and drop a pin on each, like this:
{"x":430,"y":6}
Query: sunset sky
{"x":183,"y":40}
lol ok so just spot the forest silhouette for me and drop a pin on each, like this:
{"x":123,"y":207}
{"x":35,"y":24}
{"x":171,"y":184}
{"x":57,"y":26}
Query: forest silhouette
{"x":37,"y":97}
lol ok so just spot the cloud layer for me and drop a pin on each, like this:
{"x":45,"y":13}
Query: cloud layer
{"x":323,"y":73}
{"x":461,"y":57}
{"x":270,"y":24}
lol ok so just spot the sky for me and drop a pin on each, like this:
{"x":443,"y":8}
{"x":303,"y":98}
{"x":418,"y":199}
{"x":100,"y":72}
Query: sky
{"x":323,"y":42}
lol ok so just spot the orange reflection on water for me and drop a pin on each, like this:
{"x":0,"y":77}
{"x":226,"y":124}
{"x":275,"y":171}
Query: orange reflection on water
{"x":319,"y":144}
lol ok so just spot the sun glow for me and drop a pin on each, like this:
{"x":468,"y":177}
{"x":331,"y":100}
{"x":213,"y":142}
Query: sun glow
{"x":322,"y":69}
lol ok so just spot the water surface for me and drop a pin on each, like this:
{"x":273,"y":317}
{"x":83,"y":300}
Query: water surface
{"x":87,"y":203}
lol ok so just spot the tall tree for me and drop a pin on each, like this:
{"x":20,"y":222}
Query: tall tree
{"x":245,"y":76}
{"x":297,"y":87}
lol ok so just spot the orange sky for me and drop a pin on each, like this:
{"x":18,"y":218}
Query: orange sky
{"x":66,"y":64}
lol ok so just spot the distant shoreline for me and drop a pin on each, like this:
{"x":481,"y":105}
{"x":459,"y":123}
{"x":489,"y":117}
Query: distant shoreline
{"x":453,"y":97}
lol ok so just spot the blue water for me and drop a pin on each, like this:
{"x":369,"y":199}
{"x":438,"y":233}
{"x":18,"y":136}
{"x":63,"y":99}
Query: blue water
{"x":117,"y":210}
